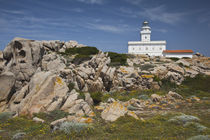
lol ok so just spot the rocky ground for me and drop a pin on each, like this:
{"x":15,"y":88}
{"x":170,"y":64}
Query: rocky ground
{"x":55,"y":89}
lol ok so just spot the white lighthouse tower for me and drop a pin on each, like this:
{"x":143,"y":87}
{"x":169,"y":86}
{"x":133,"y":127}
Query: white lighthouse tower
{"x":145,"y":32}
{"x":146,"y":46}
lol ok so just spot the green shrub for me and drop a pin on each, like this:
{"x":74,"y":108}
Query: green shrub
{"x":80,"y":58}
{"x":146,"y":67}
{"x":97,"y":97}
{"x":143,"y":97}
{"x":180,"y":64}
{"x":199,"y":82}
{"x":4,"y":116}
{"x":200,"y":137}
{"x":81,"y":95}
{"x":198,"y":86}
{"x":167,"y":85}
{"x":132,"y":108}
{"x":174,"y":58}
{"x":71,"y":86}
{"x":196,"y":125}
{"x":82,"y":51}
{"x":156,"y":78}
{"x":73,"y":127}
{"x":52,"y":116}
{"x":117,"y":59}
{"x":182,"y":119}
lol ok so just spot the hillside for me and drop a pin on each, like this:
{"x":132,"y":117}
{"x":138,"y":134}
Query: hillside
{"x":60,"y":90}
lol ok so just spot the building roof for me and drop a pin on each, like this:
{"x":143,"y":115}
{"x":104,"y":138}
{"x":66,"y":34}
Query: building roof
{"x":178,"y":51}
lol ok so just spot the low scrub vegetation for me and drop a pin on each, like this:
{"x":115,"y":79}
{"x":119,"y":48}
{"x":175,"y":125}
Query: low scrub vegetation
{"x":81,"y":54}
{"x":174,"y":58}
{"x":160,"y":126}
{"x":75,"y":129}
{"x":198,"y":86}
{"x":78,"y":59}
{"x":117,"y":59}
{"x":82,"y":51}
{"x":52,"y":116}
{"x":97,"y":97}
{"x":146,"y":67}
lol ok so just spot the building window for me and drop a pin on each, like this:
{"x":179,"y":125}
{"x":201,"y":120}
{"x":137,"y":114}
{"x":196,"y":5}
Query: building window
{"x":145,"y":37}
{"x":153,"y":48}
{"x":139,"y":48}
{"x":160,"y":48}
{"x":133,"y":48}
{"x":146,"y":48}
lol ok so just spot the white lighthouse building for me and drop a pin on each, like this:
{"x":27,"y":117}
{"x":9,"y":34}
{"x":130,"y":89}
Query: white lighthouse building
{"x":146,"y":46}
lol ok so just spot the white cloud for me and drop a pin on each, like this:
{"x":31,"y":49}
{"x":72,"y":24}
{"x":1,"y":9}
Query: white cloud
{"x":109,"y":27}
{"x":160,"y":30}
{"x":160,"y":14}
{"x":12,"y":11}
{"x":103,"y":27}
{"x":134,"y":2}
{"x":92,"y":1}
{"x":78,"y":10}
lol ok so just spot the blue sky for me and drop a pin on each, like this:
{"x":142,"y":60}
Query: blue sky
{"x":108,"y":24}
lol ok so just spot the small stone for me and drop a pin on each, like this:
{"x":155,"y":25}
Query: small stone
{"x":156,"y":98}
{"x":110,"y":100}
{"x":36,"y":119}
{"x":18,"y":135}
{"x":175,"y":95}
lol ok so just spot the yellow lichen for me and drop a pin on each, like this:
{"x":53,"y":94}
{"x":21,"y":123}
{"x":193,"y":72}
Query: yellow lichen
{"x":147,"y":76}
{"x":88,"y":120}
{"x":123,"y":70}
{"x":92,"y":114}
{"x":59,"y":81}
{"x":37,"y":88}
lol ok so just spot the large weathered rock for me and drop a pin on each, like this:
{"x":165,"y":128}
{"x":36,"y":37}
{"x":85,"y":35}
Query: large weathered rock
{"x":22,"y":58}
{"x":114,"y":111}
{"x":183,"y":62}
{"x":53,"y":62}
{"x":160,"y":71}
{"x":176,"y":68}
{"x":53,"y":45}
{"x":46,"y":93}
{"x":174,"y":77}
{"x":70,"y":100}
{"x":7,"y":81}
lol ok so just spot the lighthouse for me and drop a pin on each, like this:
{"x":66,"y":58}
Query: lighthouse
{"x":145,"y":45}
{"x":145,"y":32}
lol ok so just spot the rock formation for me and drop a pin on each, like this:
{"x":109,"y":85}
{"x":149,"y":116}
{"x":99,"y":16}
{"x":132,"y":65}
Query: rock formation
{"x":36,"y":77}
